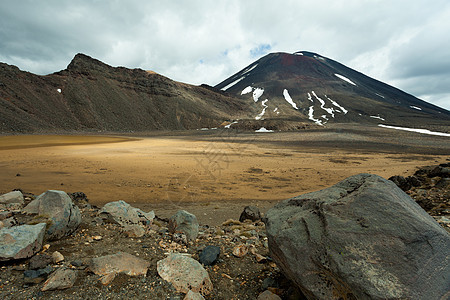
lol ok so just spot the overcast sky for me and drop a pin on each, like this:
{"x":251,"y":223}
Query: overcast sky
{"x":403,"y":43}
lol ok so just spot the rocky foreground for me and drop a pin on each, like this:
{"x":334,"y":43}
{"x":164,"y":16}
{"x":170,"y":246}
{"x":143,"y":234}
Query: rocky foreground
{"x":362,"y":238}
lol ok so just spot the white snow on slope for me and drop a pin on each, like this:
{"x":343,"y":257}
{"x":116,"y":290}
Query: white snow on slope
{"x":309,"y":97}
{"x":276,"y":110}
{"x":415,"y":107}
{"x":263,"y":129}
{"x":229,"y":125}
{"x":258,"y":117}
{"x":298,"y":53}
{"x":247,"y":90}
{"x":345,"y":79}
{"x":322,"y":105}
{"x":231,"y":84}
{"x":379,"y":95}
{"x":249,"y":69}
{"x":378,"y":117}
{"x":424,"y":131}
{"x":289,"y":99}
{"x":257,"y":93}
{"x":311,"y":116}
{"x":337,"y":105}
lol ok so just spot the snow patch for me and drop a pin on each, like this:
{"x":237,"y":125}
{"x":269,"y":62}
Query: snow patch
{"x":249,"y":69}
{"x":231,"y":84}
{"x":415,"y":107}
{"x":263,"y":129}
{"x":257,"y":93}
{"x":59,"y":91}
{"x":229,"y":125}
{"x":311,"y":116}
{"x":345,"y":79}
{"x":378,"y":117}
{"x":319,"y":58}
{"x":337,"y":105}
{"x":298,"y":53}
{"x":322,"y":105}
{"x":379,"y":95}
{"x":289,"y":99}
{"x":247,"y":90}
{"x":204,"y":129}
{"x":258,"y":117}
{"x":309,"y":97}
{"x":424,"y":131}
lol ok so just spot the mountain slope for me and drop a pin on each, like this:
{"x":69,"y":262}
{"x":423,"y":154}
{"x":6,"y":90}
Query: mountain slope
{"x":306,"y":86}
{"x":92,"y":96}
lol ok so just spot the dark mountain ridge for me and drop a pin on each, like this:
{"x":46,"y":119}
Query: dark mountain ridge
{"x":92,"y":96}
{"x":306,"y":86}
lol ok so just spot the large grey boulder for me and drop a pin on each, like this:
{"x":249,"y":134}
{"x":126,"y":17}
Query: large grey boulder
{"x":62,"y":215}
{"x":184,"y":222}
{"x":21,"y":241}
{"x":124,"y":214}
{"x":362,"y":238}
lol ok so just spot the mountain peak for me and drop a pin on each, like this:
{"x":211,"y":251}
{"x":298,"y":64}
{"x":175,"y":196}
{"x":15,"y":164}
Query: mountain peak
{"x":83,"y":62}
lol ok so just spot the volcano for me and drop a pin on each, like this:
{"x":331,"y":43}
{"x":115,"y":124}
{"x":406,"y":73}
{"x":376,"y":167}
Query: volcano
{"x":308,"y":87}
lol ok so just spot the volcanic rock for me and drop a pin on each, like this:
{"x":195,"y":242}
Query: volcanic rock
{"x":61,"y":279}
{"x":209,"y":255}
{"x":61,"y":214}
{"x":185,"y":274}
{"x":12,"y":197}
{"x":184,"y":222}
{"x":40,"y":261}
{"x":124,"y":214}
{"x":21,"y":241}
{"x":250,"y":213}
{"x":361,"y":238}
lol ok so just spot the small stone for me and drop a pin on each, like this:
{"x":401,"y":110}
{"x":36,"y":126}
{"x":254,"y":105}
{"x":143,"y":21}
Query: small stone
{"x":45,"y":247}
{"x":96,"y":237}
{"x":240,"y":250}
{"x":268,"y":295}
{"x":61,"y":279}
{"x":40,"y":261}
{"x":193,"y":296}
{"x":57,"y":257}
{"x":260,"y":258}
{"x":36,"y":276}
{"x":209,"y":255}
{"x":251,"y":213}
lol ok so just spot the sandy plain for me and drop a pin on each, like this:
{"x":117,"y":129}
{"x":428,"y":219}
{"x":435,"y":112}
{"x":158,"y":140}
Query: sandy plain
{"x":213,"y":174}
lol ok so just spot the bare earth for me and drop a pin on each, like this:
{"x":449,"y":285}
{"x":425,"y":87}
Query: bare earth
{"x":212,"y":174}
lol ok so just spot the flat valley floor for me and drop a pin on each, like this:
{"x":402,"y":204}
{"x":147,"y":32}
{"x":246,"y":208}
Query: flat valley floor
{"x":211,"y":173}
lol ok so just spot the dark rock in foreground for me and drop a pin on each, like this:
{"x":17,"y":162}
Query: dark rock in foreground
{"x":184,"y":222}
{"x":21,"y":241}
{"x":362,"y":238}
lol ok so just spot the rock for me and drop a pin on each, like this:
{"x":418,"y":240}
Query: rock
{"x":62,"y":215}
{"x":260,"y":258}
{"x":268,"y":295}
{"x":110,"y":265}
{"x":57,"y":257}
{"x":12,"y":197}
{"x":209,"y":255}
{"x":401,"y":182}
{"x":61,"y":279}
{"x":5,"y":215}
{"x":39,"y":261}
{"x":36,"y":276}
{"x":134,"y":231}
{"x":10,"y":222}
{"x":193,"y":296}
{"x":240,"y":250}
{"x":250,"y":213}
{"x":185,"y":274}
{"x":21,"y":241}
{"x":184,"y":222}
{"x":361,"y":238}
{"x":124,"y":214}
{"x":80,"y":199}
